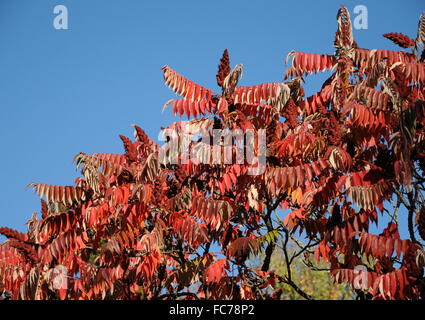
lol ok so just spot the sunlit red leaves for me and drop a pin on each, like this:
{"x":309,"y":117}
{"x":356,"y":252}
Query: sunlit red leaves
{"x":274,"y":94}
{"x":295,"y":214}
{"x":374,"y":122}
{"x":318,"y":101}
{"x":214,"y":212}
{"x":185,"y":87}
{"x":367,"y":188}
{"x":191,"y":108}
{"x":292,"y":177}
{"x":57,"y":223}
{"x":120,"y":241}
{"x":392,"y":285}
{"x":59,"y":234}
{"x":150,"y":168}
{"x":308,"y":63}
{"x":215,"y":271}
{"x":368,"y":197}
{"x":322,"y":250}
{"x":365,"y":58}
{"x":135,"y":227}
{"x":358,"y":279}
{"x":66,"y":195}
{"x":12,"y":269}
{"x":262,"y":111}
{"x":188,"y":229}
{"x":149,"y":265}
{"x":104,"y":281}
{"x":153,"y":240}
{"x":44,"y":209}
{"x":28,"y":286}
{"x":62,"y":245}
{"x":109,"y":164}
{"x":137,"y":213}
{"x":96,"y":214}
{"x":413,"y":70}
{"x":118,"y":195}
{"x":222,"y":105}
{"x":144,"y":144}
{"x":372,"y":97}
{"x":329,"y":189}
{"x":379,"y":246}
{"x":339,"y":159}
{"x":228,"y":179}
{"x":299,"y":143}
{"x":27,"y":250}
{"x":9,"y":254}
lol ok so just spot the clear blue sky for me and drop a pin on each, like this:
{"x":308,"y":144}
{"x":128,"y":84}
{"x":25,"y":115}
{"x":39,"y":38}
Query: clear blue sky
{"x":68,"y":91}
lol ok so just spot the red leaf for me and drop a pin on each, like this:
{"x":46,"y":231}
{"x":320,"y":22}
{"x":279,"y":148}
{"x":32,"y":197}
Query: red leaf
{"x":389,"y":247}
{"x":397,"y":246}
{"x":215,"y":271}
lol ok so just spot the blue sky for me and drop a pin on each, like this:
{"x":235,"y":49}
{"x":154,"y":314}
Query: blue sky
{"x":68,"y":91}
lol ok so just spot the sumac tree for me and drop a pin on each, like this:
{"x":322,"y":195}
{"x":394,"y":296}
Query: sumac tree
{"x":162,"y":224}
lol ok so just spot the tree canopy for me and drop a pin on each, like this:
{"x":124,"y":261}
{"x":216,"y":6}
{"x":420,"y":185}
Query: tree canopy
{"x":252,"y":165}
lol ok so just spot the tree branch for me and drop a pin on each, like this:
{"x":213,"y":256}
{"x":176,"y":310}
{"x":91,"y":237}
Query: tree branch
{"x":410,"y":217}
{"x":176,"y":295}
{"x":288,"y":278}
